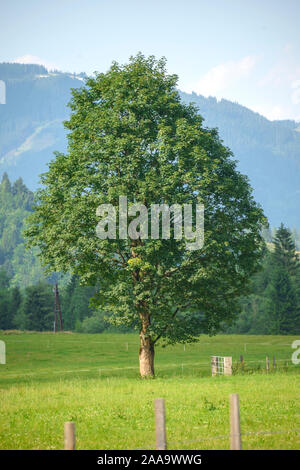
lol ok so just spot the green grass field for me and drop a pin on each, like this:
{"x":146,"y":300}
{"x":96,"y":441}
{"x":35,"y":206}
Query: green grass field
{"x":93,"y":380}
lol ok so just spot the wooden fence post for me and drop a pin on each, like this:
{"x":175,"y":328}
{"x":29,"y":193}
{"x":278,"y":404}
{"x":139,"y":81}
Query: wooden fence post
{"x":160,"y":424}
{"x":267,"y":364}
{"x":227,"y":365}
{"x":235,"y":429}
{"x":274,"y":363}
{"x":2,"y":353}
{"x":69,"y":435}
{"x":214,"y":365}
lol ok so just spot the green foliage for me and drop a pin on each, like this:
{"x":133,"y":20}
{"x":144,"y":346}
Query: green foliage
{"x":16,"y":204}
{"x":284,"y":255}
{"x":283,"y":307}
{"x":94,"y":324}
{"x":283,"y":292}
{"x":274,"y":305}
{"x":129,"y":134}
{"x":10,"y":301}
{"x":76,"y":304}
{"x":37,"y":307}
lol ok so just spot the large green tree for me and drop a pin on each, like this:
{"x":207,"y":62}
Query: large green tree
{"x":130,"y":135}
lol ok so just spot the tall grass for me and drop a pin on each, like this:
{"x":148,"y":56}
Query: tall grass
{"x":93,"y":380}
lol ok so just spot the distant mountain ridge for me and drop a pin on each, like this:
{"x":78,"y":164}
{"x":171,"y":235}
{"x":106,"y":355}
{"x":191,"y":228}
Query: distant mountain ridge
{"x":31,"y":130}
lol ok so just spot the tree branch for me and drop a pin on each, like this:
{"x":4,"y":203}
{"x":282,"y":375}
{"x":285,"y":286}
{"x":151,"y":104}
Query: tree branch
{"x":168,"y":326}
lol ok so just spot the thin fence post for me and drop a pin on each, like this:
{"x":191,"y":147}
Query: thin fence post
{"x":235,"y":428}
{"x":70,"y":435}
{"x":274,"y":363}
{"x":160,"y":424}
{"x":214,"y":365}
{"x":227,"y":365}
{"x":267,"y":364}
{"x":241,"y":359}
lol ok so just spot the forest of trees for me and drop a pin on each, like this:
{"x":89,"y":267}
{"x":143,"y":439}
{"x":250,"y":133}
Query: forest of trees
{"x":32,"y":308}
{"x":274,"y":304}
{"x":27,"y":299}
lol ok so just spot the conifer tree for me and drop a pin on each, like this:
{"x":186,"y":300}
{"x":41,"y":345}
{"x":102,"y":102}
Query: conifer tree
{"x":282,"y":306}
{"x":284,"y":254}
{"x":282,"y":294}
{"x":38,"y":307}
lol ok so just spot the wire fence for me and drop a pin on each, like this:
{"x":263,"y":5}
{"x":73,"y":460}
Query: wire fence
{"x":222,"y":437}
{"x":235,"y":436}
{"x":182,"y":368}
{"x":185,"y":346}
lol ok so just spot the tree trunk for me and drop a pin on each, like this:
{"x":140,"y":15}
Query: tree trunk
{"x":146,"y":357}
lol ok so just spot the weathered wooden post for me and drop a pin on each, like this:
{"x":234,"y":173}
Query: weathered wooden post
{"x":235,"y":428}
{"x":70,"y":435}
{"x":267,"y":364}
{"x":160,"y":424}
{"x":227,"y":365}
{"x":214,"y":365}
{"x":2,"y":352}
{"x":274,"y":363}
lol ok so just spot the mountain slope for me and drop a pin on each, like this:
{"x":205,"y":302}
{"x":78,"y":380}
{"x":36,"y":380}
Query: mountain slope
{"x":31,"y":130}
{"x":268,"y":153}
{"x":31,"y":126}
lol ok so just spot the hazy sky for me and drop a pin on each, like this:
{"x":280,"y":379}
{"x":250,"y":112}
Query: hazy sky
{"x":243,"y":50}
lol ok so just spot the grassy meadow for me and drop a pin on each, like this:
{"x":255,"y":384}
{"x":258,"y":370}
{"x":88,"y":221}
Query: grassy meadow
{"x":93,"y":380}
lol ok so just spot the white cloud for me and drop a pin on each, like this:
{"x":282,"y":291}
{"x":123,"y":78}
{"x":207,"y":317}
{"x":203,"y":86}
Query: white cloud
{"x":296,"y":92}
{"x":272,"y":112}
{"x":31,"y":59}
{"x":273,"y":77}
{"x":283,"y":79}
{"x":222,"y":76}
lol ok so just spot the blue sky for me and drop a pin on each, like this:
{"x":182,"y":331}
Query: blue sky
{"x":246,"y":51}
